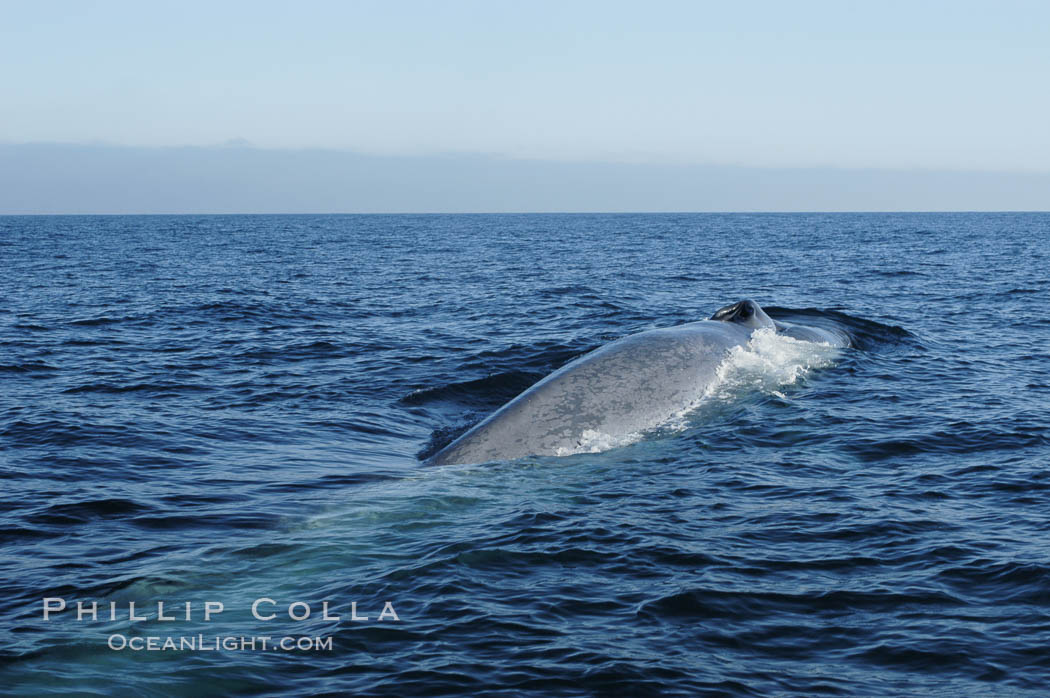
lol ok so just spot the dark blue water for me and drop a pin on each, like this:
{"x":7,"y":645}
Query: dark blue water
{"x":227,"y":408}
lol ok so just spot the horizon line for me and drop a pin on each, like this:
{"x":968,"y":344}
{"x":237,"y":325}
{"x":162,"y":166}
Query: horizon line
{"x":534,"y":213}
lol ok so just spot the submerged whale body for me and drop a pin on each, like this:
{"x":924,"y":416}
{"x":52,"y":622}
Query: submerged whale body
{"x":629,"y":386}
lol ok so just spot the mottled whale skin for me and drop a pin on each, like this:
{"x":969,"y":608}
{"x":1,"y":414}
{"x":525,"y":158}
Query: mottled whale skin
{"x":629,"y":386}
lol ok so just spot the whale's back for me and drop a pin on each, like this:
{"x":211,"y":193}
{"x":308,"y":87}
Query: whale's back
{"x":628,"y":386}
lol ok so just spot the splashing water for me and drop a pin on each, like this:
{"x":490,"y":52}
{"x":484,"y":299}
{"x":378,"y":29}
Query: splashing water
{"x":597,"y":441}
{"x":767,"y":363}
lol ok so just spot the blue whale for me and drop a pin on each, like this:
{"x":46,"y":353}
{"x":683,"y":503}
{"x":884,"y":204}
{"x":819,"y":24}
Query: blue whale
{"x":628,"y":386}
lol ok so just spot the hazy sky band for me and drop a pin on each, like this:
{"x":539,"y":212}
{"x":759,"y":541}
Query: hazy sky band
{"x":41,"y":179}
{"x":935,"y":85}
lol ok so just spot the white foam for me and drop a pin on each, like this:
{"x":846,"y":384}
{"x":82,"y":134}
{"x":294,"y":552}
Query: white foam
{"x":766,"y":364}
{"x":594,"y":441}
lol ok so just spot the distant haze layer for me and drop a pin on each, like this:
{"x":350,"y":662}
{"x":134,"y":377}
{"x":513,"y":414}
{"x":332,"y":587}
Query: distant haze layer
{"x":71,"y":179}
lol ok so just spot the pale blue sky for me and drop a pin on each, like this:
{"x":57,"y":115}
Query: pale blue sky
{"x":927,"y":85}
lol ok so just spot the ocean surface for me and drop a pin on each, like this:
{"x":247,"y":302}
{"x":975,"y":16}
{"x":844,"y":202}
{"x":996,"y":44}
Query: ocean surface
{"x":224,"y":409}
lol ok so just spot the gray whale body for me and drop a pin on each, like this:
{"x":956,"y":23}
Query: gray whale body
{"x":628,"y":386}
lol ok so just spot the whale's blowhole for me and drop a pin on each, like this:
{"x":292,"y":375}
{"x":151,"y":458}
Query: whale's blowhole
{"x":747,"y":313}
